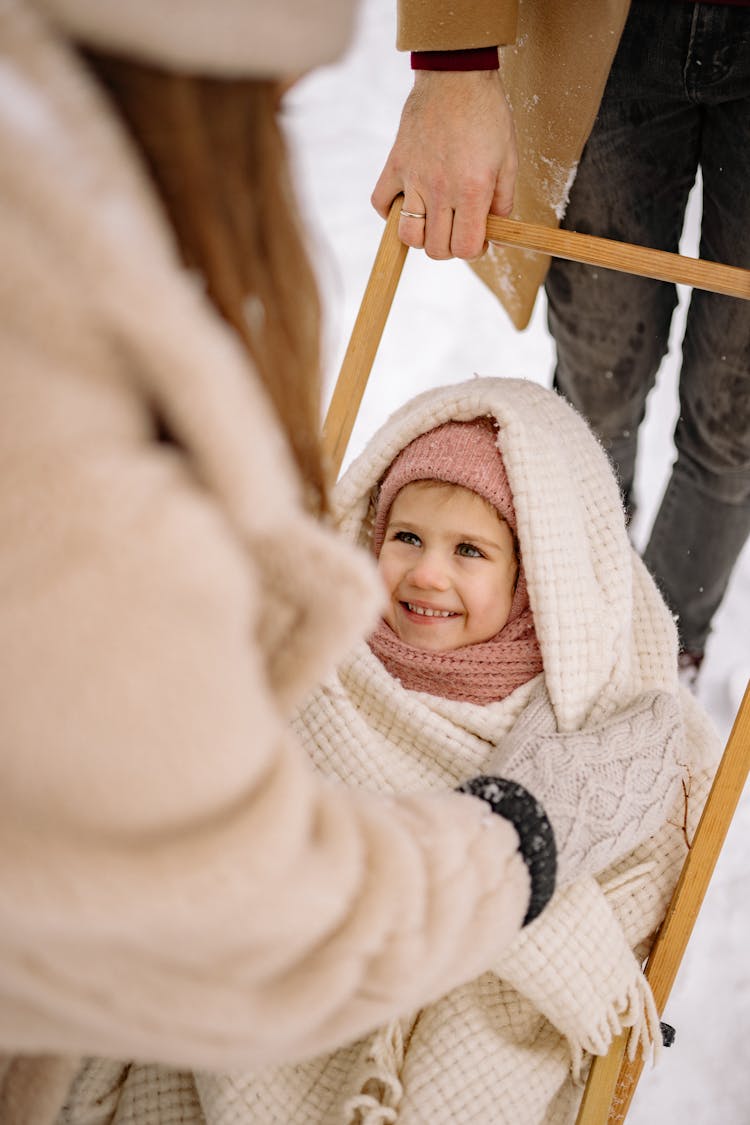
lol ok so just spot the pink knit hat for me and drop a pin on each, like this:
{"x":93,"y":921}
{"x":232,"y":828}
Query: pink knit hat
{"x":463,"y":453}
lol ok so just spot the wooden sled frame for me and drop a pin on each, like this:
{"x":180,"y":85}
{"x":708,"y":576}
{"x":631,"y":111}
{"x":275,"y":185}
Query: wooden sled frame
{"x":389,"y":262}
{"x":613,"y":1078}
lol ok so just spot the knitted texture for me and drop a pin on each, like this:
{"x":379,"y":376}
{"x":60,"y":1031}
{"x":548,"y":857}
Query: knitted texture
{"x":462,"y":453}
{"x":638,"y":751}
{"x":506,"y":1046}
{"x":479,"y":673}
{"x":137,"y":1095}
{"x":605,"y":991}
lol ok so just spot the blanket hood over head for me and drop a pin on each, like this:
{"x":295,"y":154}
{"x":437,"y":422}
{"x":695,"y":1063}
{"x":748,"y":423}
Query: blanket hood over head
{"x":605,"y":633}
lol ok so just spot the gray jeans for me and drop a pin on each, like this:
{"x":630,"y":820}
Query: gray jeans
{"x":678,"y":98}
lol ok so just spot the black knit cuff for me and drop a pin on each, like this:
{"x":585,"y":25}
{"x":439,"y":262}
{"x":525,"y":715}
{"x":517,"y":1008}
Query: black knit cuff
{"x":537,"y":840}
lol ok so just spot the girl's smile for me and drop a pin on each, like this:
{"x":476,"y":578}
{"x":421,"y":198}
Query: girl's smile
{"x":449,"y":565}
{"x":427,"y":611}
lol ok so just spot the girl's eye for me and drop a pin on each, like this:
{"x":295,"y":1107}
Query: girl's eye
{"x":408,"y":537}
{"x":469,"y":551}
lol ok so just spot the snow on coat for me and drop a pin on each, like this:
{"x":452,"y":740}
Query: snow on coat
{"x":554,"y":61}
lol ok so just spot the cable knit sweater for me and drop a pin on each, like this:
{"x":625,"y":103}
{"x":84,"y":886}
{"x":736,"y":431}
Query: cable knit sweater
{"x":604,"y":736}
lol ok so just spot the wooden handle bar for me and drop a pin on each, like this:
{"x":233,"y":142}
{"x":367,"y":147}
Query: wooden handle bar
{"x":389,"y":262}
{"x":623,"y":256}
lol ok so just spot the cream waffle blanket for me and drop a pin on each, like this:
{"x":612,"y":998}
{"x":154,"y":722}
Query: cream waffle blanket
{"x":619,"y":757}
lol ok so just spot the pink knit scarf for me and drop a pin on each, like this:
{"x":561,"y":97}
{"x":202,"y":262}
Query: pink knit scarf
{"x":482,"y":673}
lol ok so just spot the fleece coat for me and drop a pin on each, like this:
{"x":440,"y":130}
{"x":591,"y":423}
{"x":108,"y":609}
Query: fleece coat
{"x":511,"y":1045}
{"x":554,"y":61}
{"x":176,"y":882}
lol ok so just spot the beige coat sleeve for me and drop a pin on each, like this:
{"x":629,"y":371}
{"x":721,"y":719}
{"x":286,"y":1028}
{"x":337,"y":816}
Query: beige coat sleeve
{"x":176,"y":883}
{"x":443,"y":25}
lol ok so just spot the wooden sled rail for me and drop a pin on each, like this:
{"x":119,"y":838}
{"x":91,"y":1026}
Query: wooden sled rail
{"x":623,"y":256}
{"x":364,"y":341}
{"x":613,"y":1077}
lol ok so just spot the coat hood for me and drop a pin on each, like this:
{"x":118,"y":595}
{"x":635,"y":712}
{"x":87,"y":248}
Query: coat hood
{"x":238,"y":38}
{"x":605,"y":633}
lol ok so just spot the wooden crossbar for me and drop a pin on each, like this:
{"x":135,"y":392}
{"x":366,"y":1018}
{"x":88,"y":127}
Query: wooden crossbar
{"x":622,"y":256}
{"x":389,"y":262}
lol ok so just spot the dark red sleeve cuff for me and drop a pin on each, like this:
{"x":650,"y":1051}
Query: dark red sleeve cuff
{"x":477,"y":58}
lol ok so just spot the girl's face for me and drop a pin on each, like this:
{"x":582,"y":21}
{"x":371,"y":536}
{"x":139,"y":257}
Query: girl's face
{"x":449,"y":566}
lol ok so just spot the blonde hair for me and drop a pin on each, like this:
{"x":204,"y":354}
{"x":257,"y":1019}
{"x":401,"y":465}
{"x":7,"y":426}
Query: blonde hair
{"x":218,"y":159}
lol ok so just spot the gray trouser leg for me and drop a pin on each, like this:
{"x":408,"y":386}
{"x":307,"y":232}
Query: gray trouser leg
{"x":678,"y":98}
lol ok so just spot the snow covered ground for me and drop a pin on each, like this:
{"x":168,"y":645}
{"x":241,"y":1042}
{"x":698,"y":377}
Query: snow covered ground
{"x":445,"y":326}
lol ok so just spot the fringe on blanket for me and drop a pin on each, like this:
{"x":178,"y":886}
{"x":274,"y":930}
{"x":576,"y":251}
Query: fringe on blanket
{"x":635,"y":1010}
{"x":381,"y":1091}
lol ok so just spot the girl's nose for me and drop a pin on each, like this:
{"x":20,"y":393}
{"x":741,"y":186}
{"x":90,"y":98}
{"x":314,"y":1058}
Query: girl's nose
{"x":430,"y":573}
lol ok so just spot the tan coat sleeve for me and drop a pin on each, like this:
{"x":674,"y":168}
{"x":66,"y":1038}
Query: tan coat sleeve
{"x":443,"y":25}
{"x":554,"y":76}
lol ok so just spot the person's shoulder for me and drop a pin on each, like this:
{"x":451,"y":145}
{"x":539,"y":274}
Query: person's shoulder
{"x":442,"y":25}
